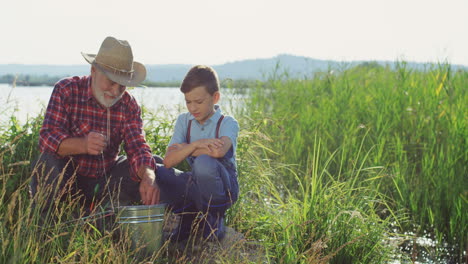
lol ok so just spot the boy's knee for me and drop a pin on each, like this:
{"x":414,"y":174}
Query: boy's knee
{"x":158,"y":159}
{"x":205,"y":166}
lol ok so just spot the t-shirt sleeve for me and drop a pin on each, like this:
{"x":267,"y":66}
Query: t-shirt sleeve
{"x":230,"y":128}
{"x":180,"y":132}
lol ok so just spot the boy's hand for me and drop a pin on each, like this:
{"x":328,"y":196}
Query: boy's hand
{"x":214,"y":147}
{"x":176,"y":153}
{"x":209,"y":143}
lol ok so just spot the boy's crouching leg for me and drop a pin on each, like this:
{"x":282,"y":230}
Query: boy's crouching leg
{"x":213,"y":194}
{"x":212,"y":180}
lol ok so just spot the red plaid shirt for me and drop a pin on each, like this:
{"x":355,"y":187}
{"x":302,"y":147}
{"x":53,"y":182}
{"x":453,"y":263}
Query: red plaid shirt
{"x":74,"y":112}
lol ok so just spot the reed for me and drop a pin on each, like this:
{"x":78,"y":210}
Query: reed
{"x":319,"y":220}
{"x":331,"y":170}
{"x":398,"y":132}
{"x":27,"y":235}
{"x":65,"y":235}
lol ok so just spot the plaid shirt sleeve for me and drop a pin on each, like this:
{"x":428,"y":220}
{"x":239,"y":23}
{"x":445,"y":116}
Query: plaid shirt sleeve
{"x":53,"y":130}
{"x":138,"y":151}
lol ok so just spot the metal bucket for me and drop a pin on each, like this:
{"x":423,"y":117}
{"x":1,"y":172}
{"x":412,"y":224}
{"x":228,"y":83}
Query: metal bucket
{"x":143,"y":224}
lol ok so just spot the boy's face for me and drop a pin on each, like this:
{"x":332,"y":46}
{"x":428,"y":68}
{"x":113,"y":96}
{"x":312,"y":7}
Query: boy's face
{"x":200,"y":103}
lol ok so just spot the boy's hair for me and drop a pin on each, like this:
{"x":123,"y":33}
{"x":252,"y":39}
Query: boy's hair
{"x":200,"y":75}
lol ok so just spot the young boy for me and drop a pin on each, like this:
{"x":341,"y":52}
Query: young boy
{"x":207,"y":140}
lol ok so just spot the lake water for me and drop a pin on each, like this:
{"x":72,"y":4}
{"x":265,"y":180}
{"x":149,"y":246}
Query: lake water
{"x":24,"y":101}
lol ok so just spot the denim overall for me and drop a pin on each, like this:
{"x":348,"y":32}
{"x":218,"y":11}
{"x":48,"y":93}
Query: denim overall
{"x":200,"y":196}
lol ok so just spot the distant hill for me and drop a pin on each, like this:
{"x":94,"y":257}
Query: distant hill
{"x":296,"y":66}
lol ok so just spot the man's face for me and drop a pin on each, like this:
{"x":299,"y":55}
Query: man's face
{"x":106,"y":91}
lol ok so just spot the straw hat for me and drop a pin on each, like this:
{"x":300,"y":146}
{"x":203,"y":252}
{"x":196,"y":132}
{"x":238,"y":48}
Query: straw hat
{"x":115,"y":60}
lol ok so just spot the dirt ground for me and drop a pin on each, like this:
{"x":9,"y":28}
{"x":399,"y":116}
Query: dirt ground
{"x":233,"y":248}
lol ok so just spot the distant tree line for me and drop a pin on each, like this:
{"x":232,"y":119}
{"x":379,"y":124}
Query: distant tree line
{"x":46,"y":80}
{"x":29,"y":80}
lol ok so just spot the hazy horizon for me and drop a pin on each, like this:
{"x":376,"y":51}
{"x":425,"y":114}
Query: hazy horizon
{"x":54,"y":32}
{"x":250,"y":59}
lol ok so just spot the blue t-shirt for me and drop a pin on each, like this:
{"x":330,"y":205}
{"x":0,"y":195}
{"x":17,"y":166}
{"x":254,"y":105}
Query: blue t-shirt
{"x":229,"y":128}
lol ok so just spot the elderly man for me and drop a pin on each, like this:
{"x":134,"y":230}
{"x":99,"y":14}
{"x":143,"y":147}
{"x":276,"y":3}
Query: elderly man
{"x":86,"y":121}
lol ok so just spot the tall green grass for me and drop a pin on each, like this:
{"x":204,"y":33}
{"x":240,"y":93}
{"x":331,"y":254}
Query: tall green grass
{"x":306,"y":215}
{"x":25,"y":235}
{"x":328,"y":166}
{"x":394,"y":138}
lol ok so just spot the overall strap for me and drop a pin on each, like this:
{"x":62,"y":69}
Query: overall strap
{"x":190,"y":126}
{"x":188,"y":131}
{"x":218,"y":125}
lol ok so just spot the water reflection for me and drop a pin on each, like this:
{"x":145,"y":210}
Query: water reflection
{"x":410,"y":247}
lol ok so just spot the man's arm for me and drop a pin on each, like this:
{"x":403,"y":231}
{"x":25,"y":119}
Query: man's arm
{"x":138,"y":151}
{"x":94,"y":144}
{"x":139,"y":155}
{"x":55,"y":127}
{"x":149,"y":190}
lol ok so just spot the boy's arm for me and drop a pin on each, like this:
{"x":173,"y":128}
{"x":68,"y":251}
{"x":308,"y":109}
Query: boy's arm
{"x":229,"y":130}
{"x":176,"y":153}
{"x":213,"y":147}
{"x":215,"y":151}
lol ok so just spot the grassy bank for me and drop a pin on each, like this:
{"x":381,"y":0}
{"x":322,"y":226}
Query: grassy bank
{"x":394,"y":140}
{"x":316,"y":224}
{"x":331,"y":170}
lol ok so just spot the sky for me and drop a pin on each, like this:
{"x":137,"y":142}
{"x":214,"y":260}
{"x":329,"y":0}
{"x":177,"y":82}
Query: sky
{"x":214,"y":32}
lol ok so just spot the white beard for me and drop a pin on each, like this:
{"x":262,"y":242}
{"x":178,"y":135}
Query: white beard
{"x":99,"y":95}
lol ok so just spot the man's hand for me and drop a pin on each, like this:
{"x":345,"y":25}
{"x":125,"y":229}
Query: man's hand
{"x":95,"y":143}
{"x":149,"y":190}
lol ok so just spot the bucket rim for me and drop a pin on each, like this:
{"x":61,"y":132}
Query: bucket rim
{"x":141,"y":216}
{"x":140,"y":207}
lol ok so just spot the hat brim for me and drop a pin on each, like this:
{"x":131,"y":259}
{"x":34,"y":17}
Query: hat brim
{"x":138,"y":76}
